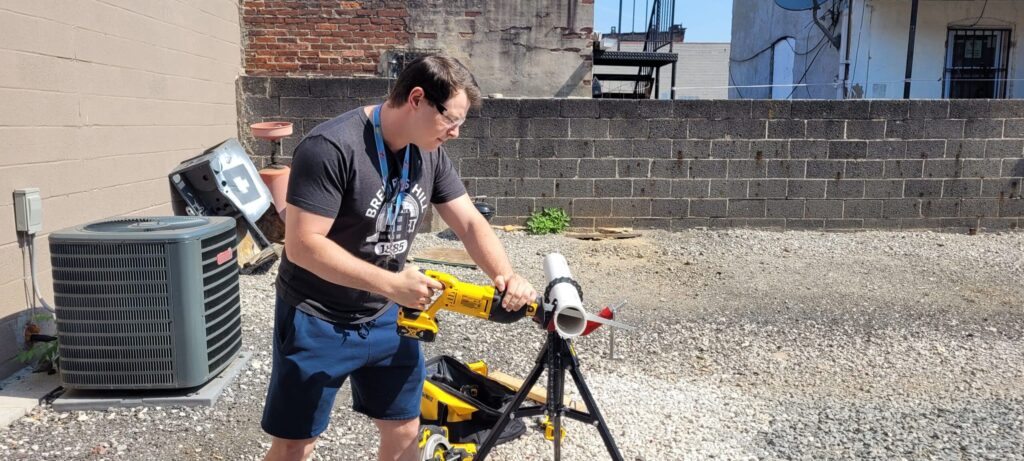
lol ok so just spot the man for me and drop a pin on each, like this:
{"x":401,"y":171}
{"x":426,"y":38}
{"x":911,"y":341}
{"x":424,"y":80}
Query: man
{"x":359,"y":187}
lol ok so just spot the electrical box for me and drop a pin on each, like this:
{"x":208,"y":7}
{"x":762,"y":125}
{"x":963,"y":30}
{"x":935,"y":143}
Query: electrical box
{"x":28,"y":210}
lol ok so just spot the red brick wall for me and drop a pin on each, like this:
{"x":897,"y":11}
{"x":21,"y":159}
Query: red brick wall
{"x":320,"y":37}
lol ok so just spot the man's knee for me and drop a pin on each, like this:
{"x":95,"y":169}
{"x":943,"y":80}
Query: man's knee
{"x":403,"y":430}
{"x":290,"y":449}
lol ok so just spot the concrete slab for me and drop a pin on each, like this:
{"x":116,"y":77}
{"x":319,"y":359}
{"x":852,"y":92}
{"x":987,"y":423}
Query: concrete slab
{"x":205,"y":395}
{"x":23,"y":391}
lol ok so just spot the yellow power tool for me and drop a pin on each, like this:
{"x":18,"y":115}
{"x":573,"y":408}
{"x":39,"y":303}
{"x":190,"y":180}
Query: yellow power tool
{"x":482,"y":301}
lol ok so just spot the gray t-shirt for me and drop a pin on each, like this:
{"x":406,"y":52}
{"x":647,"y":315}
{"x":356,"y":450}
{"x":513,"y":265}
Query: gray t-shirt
{"x":335,"y":173}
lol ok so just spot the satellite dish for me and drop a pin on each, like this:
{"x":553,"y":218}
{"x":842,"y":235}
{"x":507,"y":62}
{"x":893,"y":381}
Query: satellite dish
{"x":799,"y":5}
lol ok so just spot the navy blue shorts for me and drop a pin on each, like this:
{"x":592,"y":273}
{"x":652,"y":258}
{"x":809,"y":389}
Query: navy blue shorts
{"x":313,"y":357}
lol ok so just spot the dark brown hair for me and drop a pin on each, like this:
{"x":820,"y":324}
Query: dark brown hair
{"x":440,"y":77}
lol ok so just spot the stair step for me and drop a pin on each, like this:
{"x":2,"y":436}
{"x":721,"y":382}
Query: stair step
{"x":624,"y":78}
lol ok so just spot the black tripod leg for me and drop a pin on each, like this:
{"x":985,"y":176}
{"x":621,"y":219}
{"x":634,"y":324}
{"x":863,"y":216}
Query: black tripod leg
{"x":602,"y":427}
{"x":506,"y":416}
{"x":556,"y":401}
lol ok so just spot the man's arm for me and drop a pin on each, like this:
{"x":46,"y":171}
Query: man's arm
{"x":486,"y":250}
{"x":307,"y":245}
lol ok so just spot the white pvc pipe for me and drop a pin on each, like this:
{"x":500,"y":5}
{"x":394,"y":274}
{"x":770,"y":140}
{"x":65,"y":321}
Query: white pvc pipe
{"x":569,"y":317}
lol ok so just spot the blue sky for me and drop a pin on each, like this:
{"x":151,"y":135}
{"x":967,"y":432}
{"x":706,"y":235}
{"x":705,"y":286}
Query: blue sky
{"x":704,"y":20}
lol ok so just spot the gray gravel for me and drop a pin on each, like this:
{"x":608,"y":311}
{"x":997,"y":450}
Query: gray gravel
{"x":751,"y":345}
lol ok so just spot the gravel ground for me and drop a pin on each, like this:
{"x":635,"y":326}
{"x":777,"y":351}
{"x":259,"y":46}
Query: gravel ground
{"x":750,"y":345}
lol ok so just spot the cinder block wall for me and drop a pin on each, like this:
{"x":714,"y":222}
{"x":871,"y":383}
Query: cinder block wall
{"x":861,"y":164}
{"x":100,"y":101}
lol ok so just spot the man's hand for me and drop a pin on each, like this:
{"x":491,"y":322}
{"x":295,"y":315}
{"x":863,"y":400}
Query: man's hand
{"x":518,"y":291}
{"x":410,"y":288}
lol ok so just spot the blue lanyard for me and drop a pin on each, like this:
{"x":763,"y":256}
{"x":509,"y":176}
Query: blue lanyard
{"x":396,"y":208}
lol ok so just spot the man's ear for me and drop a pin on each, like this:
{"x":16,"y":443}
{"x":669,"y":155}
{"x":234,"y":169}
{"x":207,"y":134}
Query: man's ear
{"x":415,"y":97}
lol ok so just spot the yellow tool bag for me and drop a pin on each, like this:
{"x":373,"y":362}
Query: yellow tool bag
{"x":467,"y":403}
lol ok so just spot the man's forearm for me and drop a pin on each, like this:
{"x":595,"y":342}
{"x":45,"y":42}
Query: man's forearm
{"x":331,"y":262}
{"x":486,"y":250}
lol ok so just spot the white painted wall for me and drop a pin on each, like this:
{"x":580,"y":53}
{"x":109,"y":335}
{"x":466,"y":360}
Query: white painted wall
{"x":879,"y":44}
{"x":702,"y":70}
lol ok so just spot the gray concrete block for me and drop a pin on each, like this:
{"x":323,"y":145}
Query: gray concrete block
{"x":925,"y":129}
{"x":537,"y":148}
{"x":514,"y":206}
{"x":708,"y":168}
{"x":970,"y":108}
{"x":805,"y":224}
{"x":615,"y":221}
{"x":709,"y":208}
{"x":879,"y":223}
{"x":787,"y":129}
{"x":497,"y":187}
{"x":823,"y":208}
{"x":979,"y":208}
{"x":670,"y":208}
{"x":825,"y":169}
{"x":901,"y":208}
{"x":336,"y":106}
{"x":289,"y":87}
{"x":826,"y":129}
{"x":510,"y":127}
{"x":458,"y":149}
{"x":983,"y":128}
{"x":574,"y":148}
{"x":811,"y":110}
{"x":728,"y":129}
{"x":653,"y":188}
{"x":254,"y":86}
{"x":559,"y":168}
{"x":862,"y":209}
{"x":1011,"y":208}
{"x":940,"y":208}
{"x":1014,"y":128}
{"x":747,"y":208}
{"x":668,"y":128}
{"x":333,"y":88}
{"x":620,"y":109}
{"x":505,"y":148}
{"x":368,"y":88}
{"x":887,"y":149}
{"x":588,"y":128}
{"x":767,"y":188}
{"x":965,"y":148}
{"x":769,"y":149}
{"x":929,"y":109}
{"x":203,"y":396}
{"x":628,"y":129}
{"x":787,"y":168}
{"x":691,"y":188}
{"x":942,"y":168}
{"x":631,"y":207}
{"x":540,"y":108}
{"x":613,"y":188}
{"x":478,"y":167}
{"x":883,"y":188}
{"x":581,"y":108}
{"x":574,"y":188}
{"x":865,"y":129}
{"x":1012,"y":168}
{"x":549,"y":128}
{"x":847,"y":149}
{"x":729,"y":188}
{"x":541,"y":203}
{"x":672,"y":169}
{"x":850,"y":109}
{"x":652,"y":148}
{"x":581,"y":223}
{"x":926,"y":149}
{"x":634,"y":168}
{"x":301,"y":107}
{"x":730,"y":149}
{"x":785,"y":209}
{"x":614,"y":148}
{"x":1001,"y":187}
{"x":993,"y":224}
{"x":975,"y":168}
{"x":1005,"y":108}
{"x":519,"y":168}
{"x":533,"y":187}
{"x":470,"y":185}
{"x":843,"y":224}
{"x":904,"y":168}
{"x":691,"y":149}
{"x":845,"y":189}
{"x":806,"y":188}
{"x":1004,"y":148}
{"x":682,"y":224}
{"x":653,"y":223}
{"x":591,"y":207}
{"x":961,"y":188}
{"x":260,"y":107}
{"x":863,"y":169}
{"x":500,"y":108}
{"x":654,"y":108}
{"x":771,"y":109}
{"x":922,"y":188}
{"x":718,"y":109}
{"x":889,"y":109}
{"x":597,"y":168}
{"x":808,"y":149}
{"x":746,"y":169}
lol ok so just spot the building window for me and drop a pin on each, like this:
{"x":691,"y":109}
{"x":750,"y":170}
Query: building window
{"x":783,"y":56}
{"x":976,"y":63}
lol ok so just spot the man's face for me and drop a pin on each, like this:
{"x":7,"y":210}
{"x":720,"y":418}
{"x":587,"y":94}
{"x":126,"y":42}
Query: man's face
{"x":438,"y":123}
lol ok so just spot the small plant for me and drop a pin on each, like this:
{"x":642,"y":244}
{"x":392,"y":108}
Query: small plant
{"x":548,"y":221}
{"x":44,"y":350}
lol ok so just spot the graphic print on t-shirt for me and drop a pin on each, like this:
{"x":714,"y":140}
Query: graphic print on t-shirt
{"x":397,"y":243}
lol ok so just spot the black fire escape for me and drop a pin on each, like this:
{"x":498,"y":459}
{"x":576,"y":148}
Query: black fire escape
{"x":660,"y":34}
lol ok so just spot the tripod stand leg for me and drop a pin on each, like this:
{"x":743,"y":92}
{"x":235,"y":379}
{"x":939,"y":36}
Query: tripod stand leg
{"x":602,"y":427}
{"x":556,"y":395}
{"x":506,"y":416}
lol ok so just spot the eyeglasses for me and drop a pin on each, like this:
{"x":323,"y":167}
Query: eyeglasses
{"x":441,"y":109}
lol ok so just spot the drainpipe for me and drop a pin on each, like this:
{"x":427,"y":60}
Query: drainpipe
{"x":849,"y":37}
{"x":910,"y":49}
